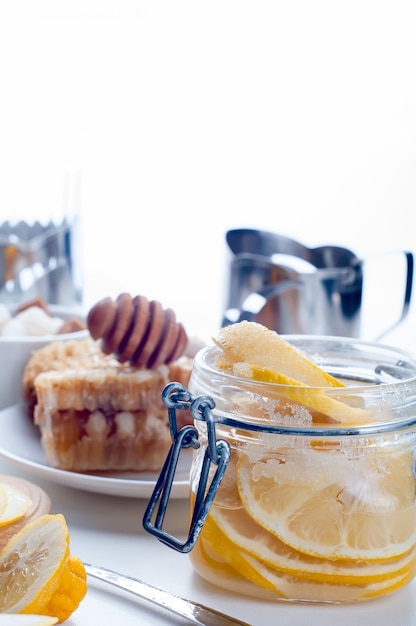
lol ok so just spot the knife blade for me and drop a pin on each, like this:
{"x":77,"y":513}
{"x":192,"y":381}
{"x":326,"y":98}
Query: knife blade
{"x":195,"y":612}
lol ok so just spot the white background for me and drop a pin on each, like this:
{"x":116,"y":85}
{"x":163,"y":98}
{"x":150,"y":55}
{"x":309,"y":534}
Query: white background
{"x":188,"y":118}
{"x":185,"y":119}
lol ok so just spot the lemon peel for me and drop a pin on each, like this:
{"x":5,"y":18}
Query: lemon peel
{"x":312,"y":398}
{"x":253,"y":343}
{"x":252,"y":351}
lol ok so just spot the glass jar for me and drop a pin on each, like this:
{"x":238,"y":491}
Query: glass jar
{"x":317,"y":502}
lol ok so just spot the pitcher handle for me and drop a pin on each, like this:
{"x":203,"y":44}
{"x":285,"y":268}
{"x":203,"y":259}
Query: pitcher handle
{"x":254,"y":302}
{"x":407,"y":295}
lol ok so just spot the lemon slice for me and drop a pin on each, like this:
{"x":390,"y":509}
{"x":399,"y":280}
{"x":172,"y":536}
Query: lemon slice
{"x":255,"y":352}
{"x":253,"y":343}
{"x":41,"y":504}
{"x":3,"y":500}
{"x":26,"y":620}
{"x":298,"y":588}
{"x":333,"y":504}
{"x":218,"y":549}
{"x":17,"y":504}
{"x":314,"y":399}
{"x":38,"y":575}
{"x":253,"y":539}
{"x":294,"y":586}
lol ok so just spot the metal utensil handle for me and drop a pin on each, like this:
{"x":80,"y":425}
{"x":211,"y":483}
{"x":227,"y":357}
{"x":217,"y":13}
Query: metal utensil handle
{"x":195,"y":612}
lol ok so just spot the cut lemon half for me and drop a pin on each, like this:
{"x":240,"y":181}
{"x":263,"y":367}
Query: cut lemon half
{"x":333,"y":504}
{"x":37,"y":573}
{"x":253,"y":343}
{"x":15,"y":506}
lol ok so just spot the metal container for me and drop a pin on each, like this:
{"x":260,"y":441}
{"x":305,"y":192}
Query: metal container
{"x":292,"y":289}
{"x":40,"y":259}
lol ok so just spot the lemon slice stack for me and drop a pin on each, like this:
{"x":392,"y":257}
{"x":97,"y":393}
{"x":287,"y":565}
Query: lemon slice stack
{"x":310,"y":523}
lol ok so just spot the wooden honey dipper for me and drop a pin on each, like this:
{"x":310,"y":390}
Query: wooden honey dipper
{"x":137,"y":331}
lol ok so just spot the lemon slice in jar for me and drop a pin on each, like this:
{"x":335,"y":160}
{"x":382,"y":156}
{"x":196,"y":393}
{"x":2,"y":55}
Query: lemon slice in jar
{"x":330,"y":409}
{"x":252,"y":351}
{"x":250,"y":538}
{"x":227,"y":538}
{"x":253,"y":343}
{"x":331,"y":505}
{"x":297,"y":587}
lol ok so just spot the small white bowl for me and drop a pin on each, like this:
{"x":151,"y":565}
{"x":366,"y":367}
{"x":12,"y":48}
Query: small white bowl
{"x":15,"y":352}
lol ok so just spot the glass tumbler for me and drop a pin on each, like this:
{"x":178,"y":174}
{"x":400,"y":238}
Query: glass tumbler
{"x":317,"y":501}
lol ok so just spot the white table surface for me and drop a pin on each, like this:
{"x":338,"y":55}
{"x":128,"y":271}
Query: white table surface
{"x":107,"y":531}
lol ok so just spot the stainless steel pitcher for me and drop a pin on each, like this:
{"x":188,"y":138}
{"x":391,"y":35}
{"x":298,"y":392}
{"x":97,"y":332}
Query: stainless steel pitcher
{"x":40,"y":259}
{"x":293,"y":289}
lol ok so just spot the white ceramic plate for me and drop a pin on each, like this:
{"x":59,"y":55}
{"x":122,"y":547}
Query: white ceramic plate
{"x":20,"y":444}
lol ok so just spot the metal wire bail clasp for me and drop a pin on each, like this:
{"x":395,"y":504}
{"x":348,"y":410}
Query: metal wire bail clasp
{"x":176,"y":396}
